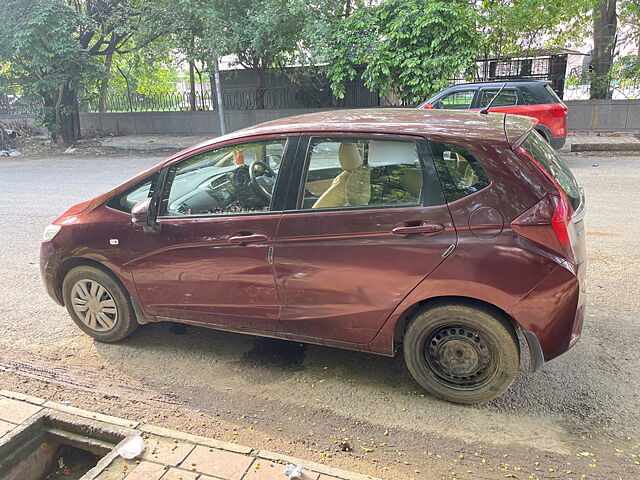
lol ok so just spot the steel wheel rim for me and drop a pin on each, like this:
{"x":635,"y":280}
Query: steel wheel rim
{"x":94,"y":305}
{"x":460,"y":356}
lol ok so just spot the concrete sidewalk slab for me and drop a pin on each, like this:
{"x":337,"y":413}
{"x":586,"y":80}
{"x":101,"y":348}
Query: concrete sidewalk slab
{"x":576,"y":142}
{"x":603,"y":143}
{"x":168,"y":454}
{"x":148,"y":143}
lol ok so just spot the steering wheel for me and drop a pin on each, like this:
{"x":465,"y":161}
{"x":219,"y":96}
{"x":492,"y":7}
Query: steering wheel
{"x":258,"y":182}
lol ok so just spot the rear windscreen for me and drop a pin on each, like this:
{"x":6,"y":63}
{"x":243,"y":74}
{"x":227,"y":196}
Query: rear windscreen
{"x":546,"y":156}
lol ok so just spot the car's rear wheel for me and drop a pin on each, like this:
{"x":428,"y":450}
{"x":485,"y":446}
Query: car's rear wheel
{"x":461,"y":353}
{"x":98,"y":304}
{"x":543,"y":134}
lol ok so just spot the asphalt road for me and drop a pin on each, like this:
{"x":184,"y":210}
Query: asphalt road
{"x":306,"y":398}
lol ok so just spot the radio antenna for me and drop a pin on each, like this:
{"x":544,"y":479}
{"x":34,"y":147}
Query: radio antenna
{"x":485,"y":110}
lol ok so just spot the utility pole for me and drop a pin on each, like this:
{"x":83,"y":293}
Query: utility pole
{"x":216,"y":72}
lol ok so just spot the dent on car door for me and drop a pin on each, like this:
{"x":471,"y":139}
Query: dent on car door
{"x":366,"y":222}
{"x":209,"y":263}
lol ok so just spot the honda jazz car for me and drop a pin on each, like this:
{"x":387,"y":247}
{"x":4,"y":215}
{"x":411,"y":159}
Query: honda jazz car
{"x":443,"y":235}
{"x":519,"y":97}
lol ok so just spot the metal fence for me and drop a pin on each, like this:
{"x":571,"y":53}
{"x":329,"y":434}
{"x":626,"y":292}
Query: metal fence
{"x":16,"y":105}
{"x":573,"y":86}
{"x":273,"y":98}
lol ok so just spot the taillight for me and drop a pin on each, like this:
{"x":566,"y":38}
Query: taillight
{"x":558,"y":110}
{"x":547,"y":224}
{"x":428,"y":105}
{"x":561,"y":221}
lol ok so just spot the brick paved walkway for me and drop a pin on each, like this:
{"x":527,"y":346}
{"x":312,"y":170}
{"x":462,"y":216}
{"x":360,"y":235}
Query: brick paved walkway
{"x":169,"y":454}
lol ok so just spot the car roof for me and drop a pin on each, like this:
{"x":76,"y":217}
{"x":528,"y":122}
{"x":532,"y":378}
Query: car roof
{"x":497,"y":83}
{"x":435,"y":124}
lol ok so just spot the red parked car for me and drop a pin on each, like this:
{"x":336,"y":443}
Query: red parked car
{"x":520,"y":97}
{"x":445,"y":233}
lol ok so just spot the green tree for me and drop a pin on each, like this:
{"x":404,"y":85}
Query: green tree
{"x":523,"y":26}
{"x":55,"y":49}
{"x":262,"y":35}
{"x":146,"y":71}
{"x":605,"y":36}
{"x":410,"y":48}
{"x":630,"y":16}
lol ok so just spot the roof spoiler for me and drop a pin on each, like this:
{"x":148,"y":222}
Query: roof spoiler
{"x":516,"y":129}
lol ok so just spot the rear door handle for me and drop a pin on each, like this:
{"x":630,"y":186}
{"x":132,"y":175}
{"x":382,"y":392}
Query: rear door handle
{"x":417,"y":227}
{"x":249,"y":238}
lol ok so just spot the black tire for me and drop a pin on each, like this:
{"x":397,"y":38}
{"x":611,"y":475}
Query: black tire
{"x":544,"y":135}
{"x":113,"y":321}
{"x":460,"y":353}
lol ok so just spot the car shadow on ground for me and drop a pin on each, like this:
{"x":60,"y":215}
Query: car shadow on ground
{"x":177,"y":358}
{"x":183,"y":349}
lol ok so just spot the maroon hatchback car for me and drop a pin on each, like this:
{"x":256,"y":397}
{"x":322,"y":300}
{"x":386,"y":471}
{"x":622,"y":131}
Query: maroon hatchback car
{"x":445,"y":233}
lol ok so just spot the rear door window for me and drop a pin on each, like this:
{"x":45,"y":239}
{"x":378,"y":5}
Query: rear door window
{"x":507,"y":97}
{"x":352,"y":172}
{"x":547,"y":157}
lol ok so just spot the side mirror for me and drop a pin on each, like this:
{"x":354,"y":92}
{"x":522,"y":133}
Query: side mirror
{"x":141,"y":216}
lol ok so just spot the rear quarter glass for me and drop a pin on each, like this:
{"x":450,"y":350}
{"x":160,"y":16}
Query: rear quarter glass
{"x":553,"y":96}
{"x":548,"y":159}
{"x":535,"y":95}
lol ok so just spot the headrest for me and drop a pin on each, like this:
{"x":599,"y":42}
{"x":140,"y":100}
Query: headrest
{"x":412,"y":181}
{"x":349,"y":156}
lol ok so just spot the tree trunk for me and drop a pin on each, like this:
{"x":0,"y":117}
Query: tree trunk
{"x":104,"y":84}
{"x":259,"y":74}
{"x":192,"y":78}
{"x":192,"y":86}
{"x":605,"y":25}
{"x":67,"y":118}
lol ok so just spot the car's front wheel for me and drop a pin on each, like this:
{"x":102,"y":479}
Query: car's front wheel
{"x":462,"y":353}
{"x":98,"y":304}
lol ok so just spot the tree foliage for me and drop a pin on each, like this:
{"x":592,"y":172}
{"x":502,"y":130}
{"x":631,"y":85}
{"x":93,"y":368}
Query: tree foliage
{"x":522,"y":26}
{"x":54,"y":46}
{"x":409,"y":47}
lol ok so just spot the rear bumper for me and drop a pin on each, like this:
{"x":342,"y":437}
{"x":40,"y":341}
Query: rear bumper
{"x":554,"y":311}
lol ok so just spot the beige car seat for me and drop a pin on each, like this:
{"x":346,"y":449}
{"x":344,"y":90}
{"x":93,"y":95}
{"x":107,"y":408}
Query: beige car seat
{"x":352,"y":187}
{"x":412,"y":182}
{"x":460,"y":170}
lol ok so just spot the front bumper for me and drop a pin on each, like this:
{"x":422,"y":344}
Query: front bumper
{"x":48,"y":265}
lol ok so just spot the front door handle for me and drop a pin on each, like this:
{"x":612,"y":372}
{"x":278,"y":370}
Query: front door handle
{"x":417,"y":227}
{"x":248,"y":238}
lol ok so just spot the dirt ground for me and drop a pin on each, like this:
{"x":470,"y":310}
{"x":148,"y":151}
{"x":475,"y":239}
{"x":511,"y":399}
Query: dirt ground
{"x":577,"y":418}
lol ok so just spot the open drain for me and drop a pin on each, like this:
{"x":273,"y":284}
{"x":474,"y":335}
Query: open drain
{"x":59,"y":446}
{"x":70,"y":463}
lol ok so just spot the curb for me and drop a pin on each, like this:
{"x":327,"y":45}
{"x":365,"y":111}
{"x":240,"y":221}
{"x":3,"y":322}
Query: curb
{"x":124,"y":425}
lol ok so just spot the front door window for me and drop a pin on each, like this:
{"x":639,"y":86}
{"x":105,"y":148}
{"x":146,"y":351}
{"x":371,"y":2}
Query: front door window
{"x":458,"y":100}
{"x":232,"y":180}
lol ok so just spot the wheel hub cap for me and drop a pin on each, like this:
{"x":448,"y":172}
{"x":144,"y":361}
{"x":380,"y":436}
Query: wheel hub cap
{"x":459,"y":356}
{"x":94,"y":305}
